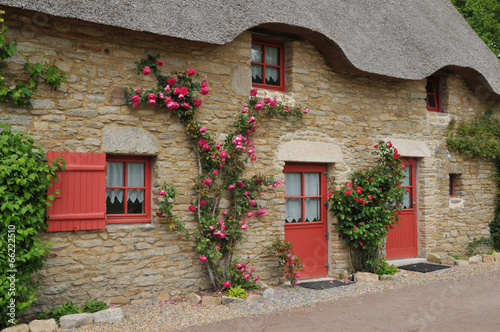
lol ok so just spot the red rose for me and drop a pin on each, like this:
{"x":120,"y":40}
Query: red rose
{"x":192,"y":208}
{"x":191,"y":72}
{"x":172,"y":81}
{"x":197,"y":103}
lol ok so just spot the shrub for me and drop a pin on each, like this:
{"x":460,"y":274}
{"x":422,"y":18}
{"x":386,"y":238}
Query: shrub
{"x":368,"y":206}
{"x":69,"y":308}
{"x":24,"y":177}
{"x":385,"y":268}
{"x":237,"y":291}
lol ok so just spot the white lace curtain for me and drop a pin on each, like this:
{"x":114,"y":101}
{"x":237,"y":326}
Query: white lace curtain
{"x":293,"y":187}
{"x":115,"y":177}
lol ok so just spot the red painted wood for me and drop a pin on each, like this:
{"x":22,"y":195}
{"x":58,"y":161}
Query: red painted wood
{"x":434,"y":94}
{"x":81,"y":202}
{"x":273,"y":43}
{"x":308,"y":238}
{"x":402,"y":239}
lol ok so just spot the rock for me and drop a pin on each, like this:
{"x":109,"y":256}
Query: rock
{"x":120,"y":300}
{"x":193,"y":298}
{"x":475,"y":259}
{"x":229,"y":300}
{"x":448,"y":260}
{"x":365,"y":277}
{"x":496,"y":256}
{"x":163,"y":296}
{"x":269,"y":293}
{"x":386,"y":277}
{"x":210,"y":300}
{"x":461,"y":262}
{"x":488,"y":259}
{"x":17,"y":328}
{"x":110,"y":315}
{"x":255,"y":298}
{"x":434,"y":258}
{"x":46,"y":325}
{"x":262,"y":284}
{"x":401,"y":274}
{"x":72,"y":321}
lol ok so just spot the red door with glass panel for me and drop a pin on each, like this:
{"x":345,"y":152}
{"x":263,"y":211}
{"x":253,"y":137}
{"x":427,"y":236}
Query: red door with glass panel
{"x":306,"y":213}
{"x":402,"y":239}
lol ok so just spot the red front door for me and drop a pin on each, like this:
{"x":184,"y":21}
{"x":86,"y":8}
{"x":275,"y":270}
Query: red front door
{"x":402,"y":239}
{"x":306,"y":213}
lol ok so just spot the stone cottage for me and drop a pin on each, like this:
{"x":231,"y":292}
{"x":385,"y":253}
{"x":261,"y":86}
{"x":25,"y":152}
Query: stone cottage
{"x":367,"y":70}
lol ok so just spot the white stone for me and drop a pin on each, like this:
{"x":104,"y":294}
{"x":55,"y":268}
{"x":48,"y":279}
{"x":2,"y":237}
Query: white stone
{"x":193,"y":298}
{"x":127,"y":140}
{"x":72,"y":321}
{"x":17,"y":328}
{"x":448,"y":260}
{"x":319,"y":152}
{"x":365,"y":277}
{"x":269,"y":293}
{"x":475,"y":259}
{"x":46,"y":325}
{"x":110,"y":315}
{"x":461,"y":262}
{"x":434,"y":258}
{"x":229,"y":300}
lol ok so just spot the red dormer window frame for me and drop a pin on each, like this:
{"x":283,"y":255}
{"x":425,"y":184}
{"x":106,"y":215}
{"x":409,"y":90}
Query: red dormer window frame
{"x":433,"y":94}
{"x":281,"y":46}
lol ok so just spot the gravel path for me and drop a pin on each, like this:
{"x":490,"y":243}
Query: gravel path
{"x":174,"y":315}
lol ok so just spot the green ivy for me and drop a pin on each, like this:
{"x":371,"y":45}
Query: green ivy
{"x":18,"y":89}
{"x":69,"y":308}
{"x":25,"y":175}
{"x":480,"y":139}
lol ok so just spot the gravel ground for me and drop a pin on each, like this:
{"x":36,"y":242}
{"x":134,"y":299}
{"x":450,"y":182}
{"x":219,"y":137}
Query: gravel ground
{"x":173,"y":315}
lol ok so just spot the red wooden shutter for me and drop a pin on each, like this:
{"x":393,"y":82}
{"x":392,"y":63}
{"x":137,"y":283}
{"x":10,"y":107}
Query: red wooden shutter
{"x":81,"y":202}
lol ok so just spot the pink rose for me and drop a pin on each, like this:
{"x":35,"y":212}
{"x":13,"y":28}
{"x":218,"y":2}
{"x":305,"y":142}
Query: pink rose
{"x":160,"y":63}
{"x":231,"y":187}
{"x":203,"y":202}
{"x":203,"y":258}
{"x":261,"y":212}
{"x":206,"y":147}
{"x":146,"y":71}
{"x":227,"y":284}
{"x":215,"y":172}
{"x":162,"y":192}
{"x":197,"y":103}
{"x":273,"y":103}
{"x":185,"y":105}
{"x":252,"y":202}
{"x":204,"y":91}
{"x":218,"y":248}
{"x":253,"y":158}
{"x":171,"y":81}
{"x":135,"y":104}
{"x":191,"y":72}
{"x":244,"y":110}
{"x":267,"y":100}
{"x":253,"y":92}
{"x":192,"y":208}
{"x":159,"y":213}
{"x":249,"y":214}
{"x":246,"y":276}
{"x":203,"y":130}
{"x":244,"y":226}
{"x":306,"y":111}
{"x":259,"y":106}
{"x":251,"y":119}
{"x":257,"y":278}
{"x":207,"y":181}
{"x":370,"y":197}
{"x":240,"y":184}
{"x":135,"y":98}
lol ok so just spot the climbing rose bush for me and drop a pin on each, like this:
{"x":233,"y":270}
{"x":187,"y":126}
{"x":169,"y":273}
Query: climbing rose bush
{"x":221,"y":168}
{"x":367,"y":206}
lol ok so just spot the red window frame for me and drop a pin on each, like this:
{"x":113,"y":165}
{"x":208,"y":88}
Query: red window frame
{"x":432,"y":90}
{"x":281,"y":46}
{"x":128,"y":217}
{"x":453,"y":179}
{"x":309,"y":168}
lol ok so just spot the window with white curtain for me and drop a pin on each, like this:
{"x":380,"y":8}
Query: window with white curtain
{"x":303,"y":199}
{"x":267,"y":64}
{"x":128,"y":186}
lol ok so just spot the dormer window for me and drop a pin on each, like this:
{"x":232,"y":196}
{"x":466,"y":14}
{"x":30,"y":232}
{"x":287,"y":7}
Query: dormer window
{"x":433,"y":94}
{"x":267,"y":64}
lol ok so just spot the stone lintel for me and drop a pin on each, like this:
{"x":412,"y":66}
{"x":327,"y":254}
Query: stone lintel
{"x":313,"y":152}
{"x":129,"y":140}
{"x":411,"y":148}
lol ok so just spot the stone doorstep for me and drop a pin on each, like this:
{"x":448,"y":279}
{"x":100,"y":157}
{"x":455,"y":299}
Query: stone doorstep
{"x":405,"y":261}
{"x":287,"y":283}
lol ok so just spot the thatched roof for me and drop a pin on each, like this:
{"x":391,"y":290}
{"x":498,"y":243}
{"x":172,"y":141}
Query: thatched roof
{"x":394,"y":38}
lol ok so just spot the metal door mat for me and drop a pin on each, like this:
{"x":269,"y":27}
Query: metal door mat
{"x":423,"y":267}
{"x":324,"y":284}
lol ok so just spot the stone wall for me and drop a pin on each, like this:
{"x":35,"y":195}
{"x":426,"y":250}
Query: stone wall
{"x":132,"y":262}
